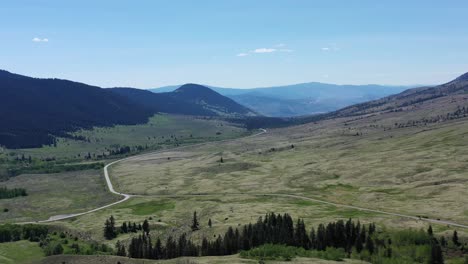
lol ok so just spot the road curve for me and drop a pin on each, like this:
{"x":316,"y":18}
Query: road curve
{"x":294,"y":196}
{"x":124,"y":195}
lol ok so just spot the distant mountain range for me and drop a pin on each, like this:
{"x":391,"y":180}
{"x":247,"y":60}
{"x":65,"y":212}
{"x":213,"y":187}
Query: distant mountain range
{"x":33,"y":111}
{"x":412,"y":107}
{"x":301,"y":99}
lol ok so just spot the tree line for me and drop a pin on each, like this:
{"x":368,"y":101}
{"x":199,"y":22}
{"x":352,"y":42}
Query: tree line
{"x":31,"y":232}
{"x":6,"y":193}
{"x":354,"y":238}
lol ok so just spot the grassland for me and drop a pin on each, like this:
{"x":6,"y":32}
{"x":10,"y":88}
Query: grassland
{"x":55,"y":194}
{"x":20,"y":252}
{"x":417,"y":171}
{"x":160,"y":132}
{"x":173,"y":216}
{"x":71,"y":192}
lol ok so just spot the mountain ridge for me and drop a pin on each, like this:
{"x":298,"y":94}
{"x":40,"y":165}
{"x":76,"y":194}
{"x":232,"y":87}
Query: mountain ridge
{"x":301,"y":99}
{"x":33,"y":111}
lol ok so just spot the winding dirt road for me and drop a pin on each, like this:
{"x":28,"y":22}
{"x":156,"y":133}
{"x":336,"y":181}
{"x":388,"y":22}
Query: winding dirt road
{"x":293,"y":196}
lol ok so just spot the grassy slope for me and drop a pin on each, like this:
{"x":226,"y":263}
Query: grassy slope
{"x":173,"y":216}
{"x":20,"y":252}
{"x":416,"y":170}
{"x":55,"y":194}
{"x":71,"y":192}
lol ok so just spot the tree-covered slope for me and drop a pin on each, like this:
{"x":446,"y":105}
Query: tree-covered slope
{"x":32,"y":110}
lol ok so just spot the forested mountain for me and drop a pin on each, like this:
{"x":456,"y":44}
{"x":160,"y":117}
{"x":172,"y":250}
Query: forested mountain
{"x":301,"y":99}
{"x":32,"y":109}
{"x":189,"y":99}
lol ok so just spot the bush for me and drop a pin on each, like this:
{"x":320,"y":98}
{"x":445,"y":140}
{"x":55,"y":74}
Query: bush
{"x":330,"y":253}
{"x":273,"y":252}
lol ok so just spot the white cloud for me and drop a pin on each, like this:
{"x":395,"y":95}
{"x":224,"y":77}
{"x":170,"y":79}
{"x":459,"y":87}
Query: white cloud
{"x":332,"y":47}
{"x":40,"y":40}
{"x":266,"y":50}
{"x":280,"y":45}
{"x":263,"y":50}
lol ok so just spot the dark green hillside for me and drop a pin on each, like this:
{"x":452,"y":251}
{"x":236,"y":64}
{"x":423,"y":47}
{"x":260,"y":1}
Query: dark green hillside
{"x":33,"y":110}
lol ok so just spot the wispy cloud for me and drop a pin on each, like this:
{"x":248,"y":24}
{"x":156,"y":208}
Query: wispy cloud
{"x":40,"y":40}
{"x":325,"y":48}
{"x":263,"y":50}
{"x":266,"y":50}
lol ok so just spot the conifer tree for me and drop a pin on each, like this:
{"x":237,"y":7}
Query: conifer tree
{"x":195,"y":224}
{"x":455,"y":238}
{"x":429,"y":231}
{"x":145,"y":226}
{"x":436,"y":253}
{"x":370,"y":245}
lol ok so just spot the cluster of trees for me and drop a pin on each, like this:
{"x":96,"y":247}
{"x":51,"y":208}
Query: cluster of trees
{"x":11,"y":233}
{"x":111,"y":231}
{"x":271,"y":229}
{"x":461,"y":112}
{"x":6,"y":193}
{"x":352,"y":238}
{"x":142,"y":247}
{"x":128,"y":227}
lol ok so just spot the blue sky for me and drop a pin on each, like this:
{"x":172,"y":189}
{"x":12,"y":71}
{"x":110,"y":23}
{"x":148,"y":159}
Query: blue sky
{"x":235,"y":43}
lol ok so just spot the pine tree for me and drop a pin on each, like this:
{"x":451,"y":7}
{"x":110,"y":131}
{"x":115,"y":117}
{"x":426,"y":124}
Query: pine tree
{"x":436,"y":253}
{"x":146,"y":228}
{"x":359,"y":245}
{"x":313,"y":240}
{"x":455,"y":238}
{"x":429,"y":231}
{"x":109,"y":228}
{"x":205,"y":247}
{"x":370,"y":245}
{"x":120,"y":249}
{"x":195,"y":224}
{"x":124,"y":228}
{"x":209,"y":223}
